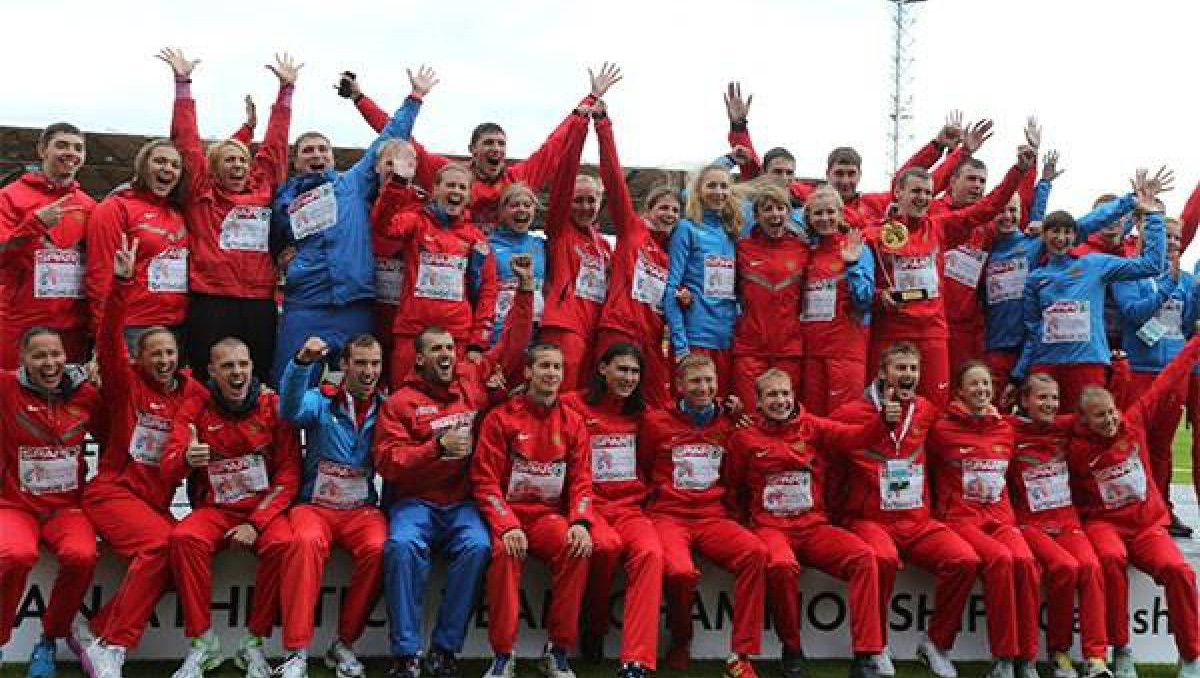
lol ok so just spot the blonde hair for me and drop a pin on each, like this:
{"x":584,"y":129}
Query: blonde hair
{"x":213,"y":155}
{"x":772,"y":374}
{"x":731,"y":215}
{"x":516,"y":190}
{"x":692,"y":361}
{"x":771,"y":193}
{"x":140,"y":180}
{"x":455,"y":167}
{"x":825,"y":192}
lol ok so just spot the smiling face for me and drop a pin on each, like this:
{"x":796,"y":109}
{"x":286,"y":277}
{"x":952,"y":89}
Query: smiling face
{"x":621,"y":375}
{"x":823,"y":213}
{"x":1099,"y":413}
{"x":1058,"y":239}
{"x":913,"y":195}
{"x":44,"y":361}
{"x":1040,"y":400}
{"x":968,"y":185}
{"x":518,"y":212}
{"x":62,"y":155}
{"x":453,"y":190}
{"x":161,"y":170}
{"x":488,"y":153}
{"x":844,"y":177}
{"x":362,"y":366}
{"x":772,"y":216}
{"x":781,"y":171}
{"x":544,"y":372}
{"x":698,"y":384}
{"x":663,"y":214}
{"x":231,"y":368}
{"x":585,"y":202}
{"x":902,"y":371}
{"x":776,"y":399}
{"x":158,"y":355}
{"x":1009,"y":218}
{"x":313,"y":153}
{"x":232,"y":167}
{"x":435,"y":357}
{"x":975,"y":389}
{"x":714,"y":189}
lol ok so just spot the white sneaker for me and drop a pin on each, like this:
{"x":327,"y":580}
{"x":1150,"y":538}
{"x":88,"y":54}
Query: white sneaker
{"x":295,"y":666}
{"x":205,"y":655}
{"x":341,"y":659}
{"x":1122,"y":665}
{"x":884,"y":665}
{"x":1026,"y":669}
{"x":937,"y":661}
{"x":1001,"y":668}
{"x":1189,"y":669}
{"x":554,"y":664}
{"x":103,"y":661}
{"x":1063,"y":666}
{"x":251,"y":658}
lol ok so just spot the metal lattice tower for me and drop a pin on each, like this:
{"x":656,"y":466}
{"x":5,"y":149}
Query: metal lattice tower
{"x":901,"y":104}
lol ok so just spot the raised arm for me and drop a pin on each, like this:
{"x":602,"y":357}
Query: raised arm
{"x":245,"y":133}
{"x":185,"y":131}
{"x":562,"y":189}
{"x":509,"y":351}
{"x":741,"y":146}
{"x":957,"y":224}
{"x":348,"y":88}
{"x":104,"y":229}
{"x":1137,"y":302}
{"x":1147,"y":407}
{"x":298,"y":403}
{"x":116,"y":372}
{"x":1152,"y":260}
{"x":363,"y":173}
{"x":272,"y":157}
{"x":625,"y":218}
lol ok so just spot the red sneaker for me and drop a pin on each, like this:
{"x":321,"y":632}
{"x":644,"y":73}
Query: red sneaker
{"x":738,"y":666}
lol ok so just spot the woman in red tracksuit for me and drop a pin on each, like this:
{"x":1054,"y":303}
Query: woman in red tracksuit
{"x":532,"y":480}
{"x":1124,"y":515}
{"x":227,"y":207}
{"x":612,"y":409}
{"x":48,"y":410}
{"x":1041,"y":497}
{"x":129,"y":501}
{"x":42,"y":238}
{"x":770,"y":283}
{"x":783,"y":460}
{"x":149,"y":210}
{"x":970,"y":448}
{"x":632,"y":311}
{"x":442,"y":253}
{"x":396,"y":164}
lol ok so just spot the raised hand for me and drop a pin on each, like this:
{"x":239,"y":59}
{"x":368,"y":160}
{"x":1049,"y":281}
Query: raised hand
{"x":179,"y":63}
{"x":1050,"y":170}
{"x":852,"y":246}
{"x":609,"y":75}
{"x":522,"y":268}
{"x":125,"y":258}
{"x":286,"y":69}
{"x":251,"y":112}
{"x":314,"y":349}
{"x":1033,"y":132}
{"x":198,"y":454}
{"x":977,"y":133}
{"x":1026,"y":157}
{"x":1162,"y":181}
{"x":423,"y":80}
{"x":53,"y":213}
{"x":347,"y":86}
{"x":737,"y":108}
{"x":952,"y":132}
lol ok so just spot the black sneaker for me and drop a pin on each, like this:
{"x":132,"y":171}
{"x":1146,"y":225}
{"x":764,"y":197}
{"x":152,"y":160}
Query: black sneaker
{"x":441,"y":664}
{"x":863,"y":666}
{"x":794,"y":664}
{"x":408,"y":666}
{"x":591,"y":647}
{"x":1178,"y":529}
{"x":632,"y":670}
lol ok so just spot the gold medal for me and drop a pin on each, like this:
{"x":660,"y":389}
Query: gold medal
{"x":894,"y":235}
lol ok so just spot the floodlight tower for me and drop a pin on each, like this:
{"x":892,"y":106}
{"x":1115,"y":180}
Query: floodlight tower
{"x":903,"y":19}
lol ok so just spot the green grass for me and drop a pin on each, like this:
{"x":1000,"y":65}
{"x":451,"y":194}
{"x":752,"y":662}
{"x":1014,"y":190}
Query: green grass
{"x":1181,"y":450}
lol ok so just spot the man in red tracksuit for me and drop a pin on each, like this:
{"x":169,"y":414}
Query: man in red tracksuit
{"x":612,"y":409}
{"x":683,"y":453}
{"x":783,"y":460}
{"x":48,"y":410}
{"x":243,"y":460}
{"x":909,"y":270}
{"x":42,"y":236}
{"x":532,"y":479}
{"x":1124,"y":514}
{"x":886,"y":503}
{"x":129,"y":500}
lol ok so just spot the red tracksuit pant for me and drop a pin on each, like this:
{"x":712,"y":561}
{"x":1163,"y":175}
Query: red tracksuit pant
{"x":1193,"y":404}
{"x":1011,"y":587}
{"x":931,"y":546}
{"x":315,"y":530}
{"x":1160,"y":433}
{"x":828,"y":383}
{"x":1069,"y":564}
{"x":1001,"y":364}
{"x":935,"y":365}
{"x":71,"y":539}
{"x":747,"y":368}
{"x":1072,"y":379}
{"x":577,"y":350}
{"x":731,"y":547}
{"x":656,"y":372}
{"x":198,"y":538}
{"x":627,"y":535}
{"x":138,"y":533}
{"x":547,"y":537}
{"x":1154,"y":552}
{"x":837,"y":552}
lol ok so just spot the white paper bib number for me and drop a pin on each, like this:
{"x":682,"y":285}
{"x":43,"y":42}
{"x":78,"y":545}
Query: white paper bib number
{"x":536,"y":481}
{"x":820,"y":300}
{"x":389,"y":279}
{"x":340,"y":486}
{"x":57,"y":274}
{"x":901,"y":485}
{"x":964,"y":265}
{"x":506,"y":296}
{"x":1167,"y":323}
{"x":233,"y":480}
{"x":1065,"y":322}
{"x":788,"y":494}
{"x":983,"y":480}
{"x":149,"y":437}
{"x":1006,"y":280}
{"x":441,"y":276}
{"x":719,"y":277}
{"x":614,"y":457}
{"x":1047,"y":486}
{"x":168,"y":272}
{"x":649,"y":282}
{"x":696,"y":467}
{"x":916,"y":273}
{"x":313,"y":211}
{"x":591,"y":282}
{"x":1122,"y":484}
{"x":49,"y":469}
{"x":245,"y":229}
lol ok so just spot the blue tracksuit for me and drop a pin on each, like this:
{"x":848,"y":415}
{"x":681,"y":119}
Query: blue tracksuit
{"x":699,"y":254}
{"x":505,"y":243}
{"x":1064,"y":302}
{"x":1172,"y":306}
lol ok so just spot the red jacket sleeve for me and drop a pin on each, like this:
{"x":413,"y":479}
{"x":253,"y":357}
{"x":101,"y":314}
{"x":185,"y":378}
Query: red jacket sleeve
{"x":509,"y":351}
{"x":1027,"y":189}
{"x":538,"y":168}
{"x":185,"y":133}
{"x":405,"y":223}
{"x":1147,"y":407}
{"x":272,"y":156}
{"x":400,"y":455}
{"x":485,"y":301}
{"x":19,"y":233}
{"x":285,"y":471}
{"x":924,"y":157}
{"x":375,"y":116}
{"x":173,"y":464}
{"x":489,"y":468}
{"x":393,"y":197}
{"x":244,"y":134}
{"x":579,"y":470}
{"x":562,"y":189}
{"x":944,"y":172}
{"x":104,"y":230}
{"x":1190,"y":217}
{"x":116,"y":372}
{"x":625,"y":218}
{"x":834,"y":436}
{"x":956,"y":225}
{"x":752,"y":167}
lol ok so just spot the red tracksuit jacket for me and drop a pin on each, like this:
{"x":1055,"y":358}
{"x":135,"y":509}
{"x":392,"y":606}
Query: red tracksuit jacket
{"x":532,"y":460}
{"x":139,"y":413}
{"x":405,"y":449}
{"x":436,"y":288}
{"x":389,"y":252}
{"x":255,"y":468}
{"x":770,"y":280}
{"x":42,"y":468}
{"x":969,"y":457}
{"x":160,"y":275}
{"x":229,"y":255}
{"x":687,"y":465}
{"x":41,"y":269}
{"x":1039,"y":478}
{"x":845,"y":335}
{"x":640,"y":264}
{"x":617,"y":482}
{"x":783,"y":466}
{"x":535,"y":170}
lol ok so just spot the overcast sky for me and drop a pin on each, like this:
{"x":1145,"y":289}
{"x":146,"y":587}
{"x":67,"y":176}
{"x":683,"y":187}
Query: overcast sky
{"x":1112,"y":82}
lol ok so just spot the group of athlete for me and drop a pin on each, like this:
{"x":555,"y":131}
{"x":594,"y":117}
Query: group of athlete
{"x":758,"y":371}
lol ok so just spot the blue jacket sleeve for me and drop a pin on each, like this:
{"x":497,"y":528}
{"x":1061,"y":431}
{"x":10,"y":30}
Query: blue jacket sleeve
{"x":1191,"y":306}
{"x":281,"y":228}
{"x":1138,"y":300}
{"x":860,"y":278}
{"x":1041,"y":197}
{"x":362,"y":175}
{"x":298,"y":403}
{"x":1105,"y":215}
{"x":1031,"y":318}
{"x":678,"y":249}
{"x":1148,"y":264}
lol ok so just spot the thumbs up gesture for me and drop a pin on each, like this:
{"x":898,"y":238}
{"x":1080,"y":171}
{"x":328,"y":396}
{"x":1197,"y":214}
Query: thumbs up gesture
{"x":198,"y":453}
